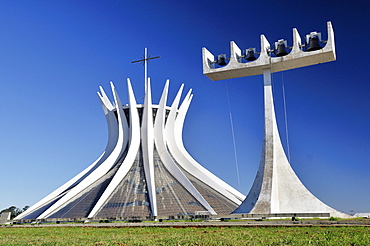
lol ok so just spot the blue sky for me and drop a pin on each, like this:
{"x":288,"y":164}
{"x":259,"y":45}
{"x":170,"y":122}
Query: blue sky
{"x":55,"y":54}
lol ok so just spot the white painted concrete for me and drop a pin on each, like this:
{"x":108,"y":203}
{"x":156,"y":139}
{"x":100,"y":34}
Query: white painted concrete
{"x":160,"y":143}
{"x":164,"y":134}
{"x":147,"y":136}
{"x":102,"y":169}
{"x":276,"y":188}
{"x":112,"y":141}
{"x":173,"y":133}
{"x":133,"y":148}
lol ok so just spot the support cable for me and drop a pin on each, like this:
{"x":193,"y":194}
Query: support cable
{"x":285,"y":111}
{"x":233,"y":135}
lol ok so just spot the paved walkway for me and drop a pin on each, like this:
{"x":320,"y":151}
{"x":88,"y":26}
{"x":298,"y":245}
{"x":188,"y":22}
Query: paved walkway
{"x":246,"y":223}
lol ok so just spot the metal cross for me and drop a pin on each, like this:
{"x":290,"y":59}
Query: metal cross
{"x":145,"y":62}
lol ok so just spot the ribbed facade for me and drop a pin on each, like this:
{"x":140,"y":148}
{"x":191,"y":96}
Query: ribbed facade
{"x":144,"y":170}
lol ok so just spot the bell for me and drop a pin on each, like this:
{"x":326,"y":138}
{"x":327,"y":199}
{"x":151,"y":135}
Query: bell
{"x":314,"y":43}
{"x":249,"y":54}
{"x":281,"y":50}
{"x":221,"y":60}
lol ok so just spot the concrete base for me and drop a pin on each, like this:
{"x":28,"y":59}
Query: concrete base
{"x":5,"y":218}
{"x":276,"y":188}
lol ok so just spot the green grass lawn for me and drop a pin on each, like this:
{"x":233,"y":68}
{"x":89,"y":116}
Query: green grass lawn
{"x":186,"y":236}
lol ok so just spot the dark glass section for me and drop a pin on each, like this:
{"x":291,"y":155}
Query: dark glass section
{"x":82,"y":204}
{"x":166,"y":115}
{"x":42,"y":209}
{"x":219,"y":203}
{"x":127,"y":114}
{"x":172,"y":197}
{"x":154,"y":113}
{"x":130,"y":198}
{"x":140,"y":111}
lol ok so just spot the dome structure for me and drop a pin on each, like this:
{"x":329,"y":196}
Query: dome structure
{"x":145,"y":170}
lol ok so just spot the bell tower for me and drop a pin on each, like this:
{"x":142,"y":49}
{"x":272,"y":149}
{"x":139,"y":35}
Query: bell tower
{"x":276,"y":188}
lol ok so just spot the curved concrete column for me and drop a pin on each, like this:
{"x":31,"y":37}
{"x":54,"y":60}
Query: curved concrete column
{"x":173,"y":134}
{"x":166,"y":157}
{"x":101,"y":169}
{"x":131,"y":154}
{"x":112,"y":141}
{"x":126,"y":135}
{"x":147,"y":138}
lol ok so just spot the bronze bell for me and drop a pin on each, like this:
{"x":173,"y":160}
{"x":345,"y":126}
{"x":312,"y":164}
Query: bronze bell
{"x":221,"y":60}
{"x":249,"y":54}
{"x":281,"y":49}
{"x":314,"y":43}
